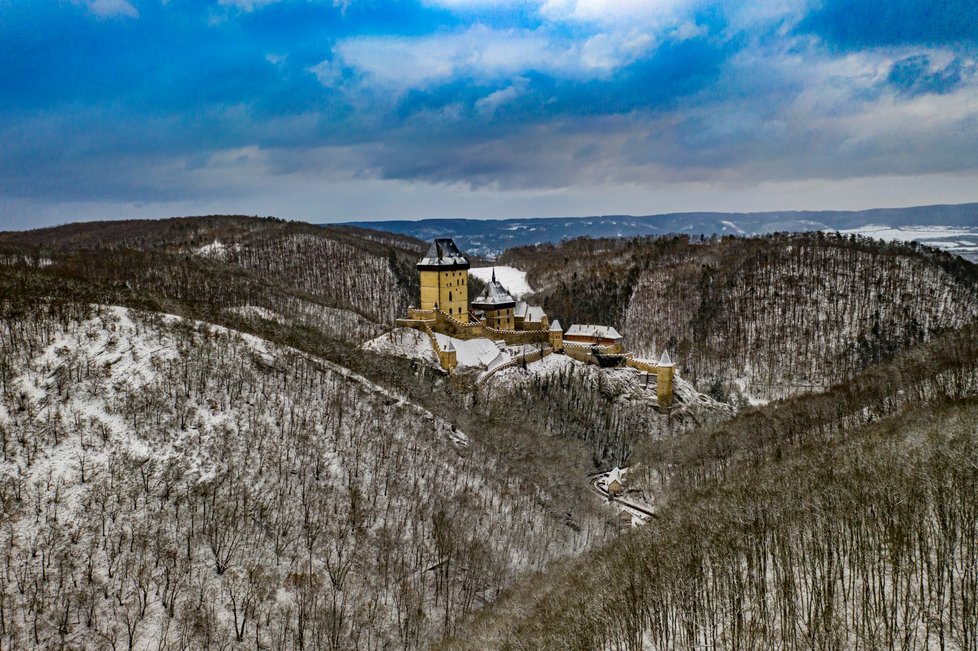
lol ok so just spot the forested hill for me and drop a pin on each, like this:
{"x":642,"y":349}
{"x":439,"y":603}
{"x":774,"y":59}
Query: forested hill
{"x":196,"y":453}
{"x":769,"y":316}
{"x":353,"y":281}
{"x":847,"y":520}
{"x":170,"y":483}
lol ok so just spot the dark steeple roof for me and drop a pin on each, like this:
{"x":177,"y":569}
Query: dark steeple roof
{"x":493,"y":297}
{"x":443,"y":255}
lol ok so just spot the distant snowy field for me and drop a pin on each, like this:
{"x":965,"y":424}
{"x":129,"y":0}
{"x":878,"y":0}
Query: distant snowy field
{"x":961,"y":241}
{"x":511,"y":278}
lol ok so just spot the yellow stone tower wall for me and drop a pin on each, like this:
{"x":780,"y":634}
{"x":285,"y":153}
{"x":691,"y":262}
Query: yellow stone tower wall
{"x":449,"y":290}
{"x":501,"y":319}
{"x":448,"y":359}
{"x":556,"y":338}
{"x":663,"y":377}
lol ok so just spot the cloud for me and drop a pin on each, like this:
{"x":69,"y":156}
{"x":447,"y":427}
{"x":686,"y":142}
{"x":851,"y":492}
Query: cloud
{"x":613,"y":11}
{"x":111,"y":8}
{"x":246,"y":5}
{"x":478,"y":51}
{"x":488,"y":105}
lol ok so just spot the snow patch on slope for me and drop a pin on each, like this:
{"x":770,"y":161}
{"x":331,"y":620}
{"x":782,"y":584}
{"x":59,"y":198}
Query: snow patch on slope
{"x":258,"y":312}
{"x":511,"y":278}
{"x":480,"y":353}
{"x":404,"y":342}
{"x":476,"y":353}
{"x":216,"y":249}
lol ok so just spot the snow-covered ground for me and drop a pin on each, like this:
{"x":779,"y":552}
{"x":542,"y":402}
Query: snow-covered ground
{"x":743,"y":387}
{"x":511,"y":278}
{"x":404,"y":342}
{"x":150,"y":448}
{"x":256,"y":311}
{"x":478,"y":353}
{"x":216,"y":249}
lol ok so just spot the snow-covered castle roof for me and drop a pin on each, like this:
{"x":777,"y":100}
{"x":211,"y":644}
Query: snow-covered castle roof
{"x":494,"y":296}
{"x":555,"y":326}
{"x":665,"y":360}
{"x":596,"y":331}
{"x":443,"y":255}
{"x":529,"y":313}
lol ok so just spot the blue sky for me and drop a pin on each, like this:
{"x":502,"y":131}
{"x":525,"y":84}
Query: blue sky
{"x":360,"y":109}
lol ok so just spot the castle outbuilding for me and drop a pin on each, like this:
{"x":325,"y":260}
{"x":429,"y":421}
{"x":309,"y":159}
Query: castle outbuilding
{"x":444,"y":279}
{"x":595,"y":335}
{"x":530,"y":317}
{"x":494,"y":306}
{"x":448,"y":357}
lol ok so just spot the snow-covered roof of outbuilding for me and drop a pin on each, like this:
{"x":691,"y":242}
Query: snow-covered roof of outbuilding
{"x":530,"y":313}
{"x":444,"y":254}
{"x":493,"y":296}
{"x":520,"y":310}
{"x":597,"y":331}
{"x":534,"y":314}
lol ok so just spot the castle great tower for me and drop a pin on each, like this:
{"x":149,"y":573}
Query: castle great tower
{"x":444,"y":275}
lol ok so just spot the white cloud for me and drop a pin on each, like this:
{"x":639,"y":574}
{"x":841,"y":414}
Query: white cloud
{"x":111,"y":8}
{"x":477,"y":5}
{"x":247,"y":5}
{"x":613,"y":11}
{"x":415,"y":62}
{"x":487,"y":105}
{"x":251,"y":5}
{"x":607,"y":51}
{"x":397,"y":62}
{"x":328,"y":72}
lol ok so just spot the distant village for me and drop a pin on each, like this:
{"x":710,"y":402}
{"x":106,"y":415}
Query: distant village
{"x":496,"y":317}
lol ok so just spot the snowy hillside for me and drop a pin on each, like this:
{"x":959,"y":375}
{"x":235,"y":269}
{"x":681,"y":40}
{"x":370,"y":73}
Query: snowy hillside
{"x":961,"y":241}
{"x":223,"y":489}
{"x":788,"y":315}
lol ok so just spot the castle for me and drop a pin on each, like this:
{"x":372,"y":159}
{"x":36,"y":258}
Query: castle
{"x":496,"y":315}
